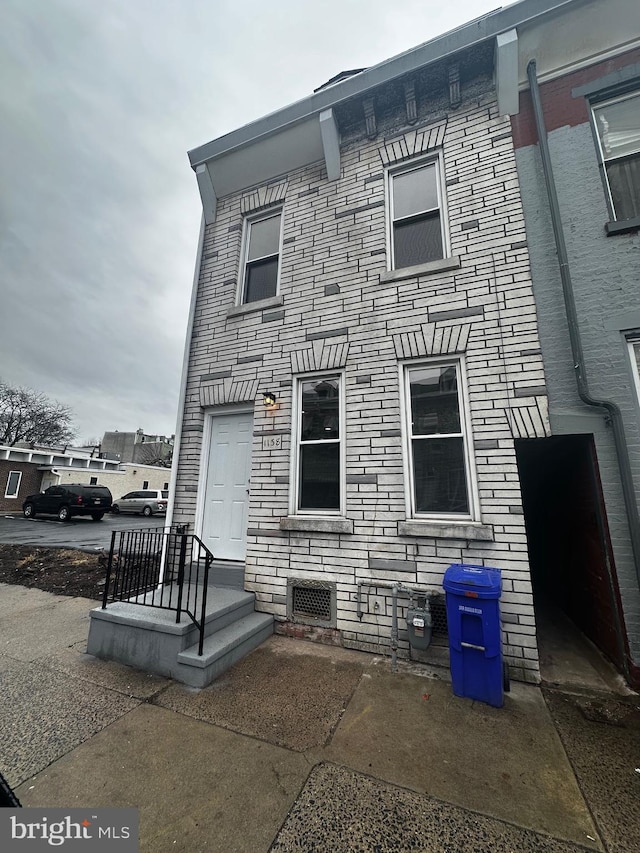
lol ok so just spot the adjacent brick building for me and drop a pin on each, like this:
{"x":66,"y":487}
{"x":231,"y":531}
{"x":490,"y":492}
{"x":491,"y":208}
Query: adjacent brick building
{"x":17,"y":480}
{"x":25,"y":471}
{"x":582,"y":485}
{"x":364,"y":354}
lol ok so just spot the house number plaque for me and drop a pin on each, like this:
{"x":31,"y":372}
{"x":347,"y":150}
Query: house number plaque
{"x":271,"y":442}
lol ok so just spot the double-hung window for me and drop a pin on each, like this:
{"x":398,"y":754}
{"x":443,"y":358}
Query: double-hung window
{"x":261,"y":259}
{"x":417,"y":214}
{"x":319,"y":462}
{"x":438,"y":441}
{"x":13,"y":484}
{"x":634,"y":354}
{"x":617,"y":123}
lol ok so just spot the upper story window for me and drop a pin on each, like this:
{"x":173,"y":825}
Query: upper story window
{"x":261,"y":257}
{"x":634,"y":353}
{"x":440,"y":466}
{"x":417,"y":214}
{"x":319,"y":445}
{"x":617,"y":123}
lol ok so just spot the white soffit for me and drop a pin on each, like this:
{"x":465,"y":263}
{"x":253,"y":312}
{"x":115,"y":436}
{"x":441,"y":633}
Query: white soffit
{"x":288,"y":148}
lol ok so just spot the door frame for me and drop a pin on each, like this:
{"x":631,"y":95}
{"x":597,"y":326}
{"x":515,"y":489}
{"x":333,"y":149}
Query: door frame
{"x":207,"y":433}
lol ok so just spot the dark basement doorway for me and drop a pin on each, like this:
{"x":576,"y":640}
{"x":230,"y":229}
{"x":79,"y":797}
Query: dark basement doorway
{"x":575,"y":591}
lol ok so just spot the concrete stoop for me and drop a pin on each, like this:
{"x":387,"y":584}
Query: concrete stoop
{"x":151,"y":640}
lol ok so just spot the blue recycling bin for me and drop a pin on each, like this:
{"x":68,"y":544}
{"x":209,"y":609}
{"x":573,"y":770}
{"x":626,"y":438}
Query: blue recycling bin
{"x":475,"y":642}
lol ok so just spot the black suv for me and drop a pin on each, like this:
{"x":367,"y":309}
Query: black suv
{"x":69,"y":500}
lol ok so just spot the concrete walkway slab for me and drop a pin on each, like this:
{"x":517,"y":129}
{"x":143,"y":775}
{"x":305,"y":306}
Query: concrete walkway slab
{"x":19,"y":599}
{"x":602,"y":739}
{"x":339,"y":810}
{"x":508,"y":763}
{"x":34,"y":632}
{"x":46,"y":714}
{"x":409,"y":763}
{"x":198,"y":787}
{"x":289,"y":701}
{"x":123,"y":679}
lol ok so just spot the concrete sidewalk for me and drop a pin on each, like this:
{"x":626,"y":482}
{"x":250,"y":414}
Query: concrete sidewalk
{"x":309,"y":748}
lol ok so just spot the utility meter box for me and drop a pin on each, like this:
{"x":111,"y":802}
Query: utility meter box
{"x":419,"y":627}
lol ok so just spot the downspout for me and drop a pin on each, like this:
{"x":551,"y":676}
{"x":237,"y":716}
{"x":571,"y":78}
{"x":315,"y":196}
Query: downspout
{"x":183,"y":379}
{"x":611,"y":408}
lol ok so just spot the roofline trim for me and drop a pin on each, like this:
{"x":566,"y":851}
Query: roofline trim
{"x":462,"y":38}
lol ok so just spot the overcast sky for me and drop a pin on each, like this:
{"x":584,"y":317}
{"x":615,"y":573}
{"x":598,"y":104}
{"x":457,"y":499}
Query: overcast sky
{"x":99,"y":211}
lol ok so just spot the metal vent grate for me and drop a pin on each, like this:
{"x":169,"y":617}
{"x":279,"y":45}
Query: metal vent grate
{"x":439,"y":615}
{"x":312,"y":602}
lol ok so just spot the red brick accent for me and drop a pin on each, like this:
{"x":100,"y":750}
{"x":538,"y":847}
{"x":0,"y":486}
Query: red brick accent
{"x":30,"y":483}
{"x":634,"y":676}
{"x":326,"y":636}
{"x":561,"y":109}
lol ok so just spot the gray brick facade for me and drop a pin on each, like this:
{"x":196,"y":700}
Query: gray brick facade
{"x":340,"y":309}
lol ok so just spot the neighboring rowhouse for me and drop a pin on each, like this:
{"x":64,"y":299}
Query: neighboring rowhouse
{"x":581,"y":485}
{"x":25,"y":471}
{"x":363,"y":351}
{"x":123,"y":479}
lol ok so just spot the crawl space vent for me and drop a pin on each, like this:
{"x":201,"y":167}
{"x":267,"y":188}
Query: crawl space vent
{"x":312,"y":602}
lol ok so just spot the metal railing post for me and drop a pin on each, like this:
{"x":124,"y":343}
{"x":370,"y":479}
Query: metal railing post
{"x":105,"y":594}
{"x":203,"y":610}
{"x":181,"y":562}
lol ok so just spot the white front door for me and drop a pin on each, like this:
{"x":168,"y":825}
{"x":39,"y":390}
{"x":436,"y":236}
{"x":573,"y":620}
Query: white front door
{"x":224,"y":527}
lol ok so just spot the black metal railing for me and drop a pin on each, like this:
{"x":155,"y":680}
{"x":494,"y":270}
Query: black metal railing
{"x":165,"y":568}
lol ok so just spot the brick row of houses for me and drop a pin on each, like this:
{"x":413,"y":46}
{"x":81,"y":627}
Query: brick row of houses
{"x":384,"y":343}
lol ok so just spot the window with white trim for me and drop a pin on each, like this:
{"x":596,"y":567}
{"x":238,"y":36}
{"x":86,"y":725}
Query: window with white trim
{"x":617,"y":123}
{"x":417,"y":214}
{"x":319,"y":445}
{"x":634,"y":353}
{"x":13,"y":484}
{"x":440,"y":468}
{"x":261,"y":256}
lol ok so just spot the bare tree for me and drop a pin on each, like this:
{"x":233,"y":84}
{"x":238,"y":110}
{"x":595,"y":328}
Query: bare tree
{"x":32,"y":417}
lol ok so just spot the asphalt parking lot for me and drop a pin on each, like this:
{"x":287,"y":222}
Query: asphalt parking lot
{"x":80,"y":532}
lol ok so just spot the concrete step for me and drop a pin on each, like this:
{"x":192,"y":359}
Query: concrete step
{"x":224,"y":574}
{"x":224,"y":606}
{"x":222,"y":649}
{"x":150,"y":639}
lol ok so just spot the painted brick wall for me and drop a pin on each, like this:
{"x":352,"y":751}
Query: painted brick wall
{"x":131,"y":477}
{"x":605,"y":273}
{"x":336,"y":312}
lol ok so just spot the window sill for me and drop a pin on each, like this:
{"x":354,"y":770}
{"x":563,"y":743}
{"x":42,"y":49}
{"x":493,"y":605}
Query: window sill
{"x":316,"y":524}
{"x":622,"y":227}
{"x":446,"y":530}
{"x":432,"y":268}
{"x":259,"y":305}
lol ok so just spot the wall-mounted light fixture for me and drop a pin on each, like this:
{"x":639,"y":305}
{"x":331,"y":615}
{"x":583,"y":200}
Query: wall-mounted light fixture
{"x":269,"y":398}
